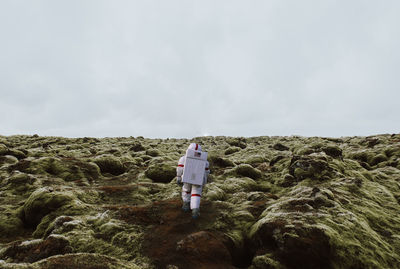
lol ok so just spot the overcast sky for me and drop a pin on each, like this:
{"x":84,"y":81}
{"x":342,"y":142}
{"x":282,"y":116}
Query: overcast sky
{"x":184,"y":68}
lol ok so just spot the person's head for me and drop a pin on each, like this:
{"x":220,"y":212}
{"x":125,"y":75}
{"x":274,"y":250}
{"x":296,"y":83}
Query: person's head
{"x":194,"y":146}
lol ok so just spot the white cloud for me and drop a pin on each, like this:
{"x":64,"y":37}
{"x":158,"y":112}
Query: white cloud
{"x":185,"y":68}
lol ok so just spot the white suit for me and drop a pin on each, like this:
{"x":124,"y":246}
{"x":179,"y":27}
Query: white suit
{"x":190,"y":192}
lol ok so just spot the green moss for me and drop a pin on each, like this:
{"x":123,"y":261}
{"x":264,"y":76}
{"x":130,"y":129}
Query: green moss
{"x":247,"y":170}
{"x":17,"y":153}
{"x":217,"y":161}
{"x":110,"y":165}
{"x":3,"y":149}
{"x":161,"y":172}
{"x":232,"y":185}
{"x":266,"y":261}
{"x":84,"y":260}
{"x":255,"y":160}
{"x":232,"y":150}
{"x":45,"y":204}
{"x":153,"y":152}
{"x":214,"y":192}
{"x":378,"y":159}
{"x":333,"y":151}
{"x":8,"y":159}
{"x":10,"y":225}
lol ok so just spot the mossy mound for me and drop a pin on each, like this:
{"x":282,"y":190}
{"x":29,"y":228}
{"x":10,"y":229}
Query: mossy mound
{"x":247,"y":170}
{"x":68,"y":169}
{"x":10,"y":224}
{"x":3,"y":149}
{"x":110,"y":165}
{"x":8,"y":159}
{"x":35,"y":250}
{"x":232,"y":150}
{"x":137,"y":147}
{"x":217,"y":161}
{"x":314,"y":167}
{"x":280,"y":147}
{"x":42,"y":202}
{"x":161,"y":172}
{"x":153,"y":152}
{"x":237,"y":142}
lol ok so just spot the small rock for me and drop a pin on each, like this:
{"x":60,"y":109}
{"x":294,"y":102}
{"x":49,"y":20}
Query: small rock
{"x":280,"y":147}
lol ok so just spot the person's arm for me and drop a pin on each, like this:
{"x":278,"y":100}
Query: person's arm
{"x":179,"y":170}
{"x":207,"y":173}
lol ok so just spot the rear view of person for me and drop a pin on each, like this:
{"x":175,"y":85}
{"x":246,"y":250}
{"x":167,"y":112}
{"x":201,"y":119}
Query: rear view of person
{"x":192,"y":172}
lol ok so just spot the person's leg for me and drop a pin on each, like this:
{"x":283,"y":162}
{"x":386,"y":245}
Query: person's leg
{"x":195,"y":200}
{"x":186,"y":190}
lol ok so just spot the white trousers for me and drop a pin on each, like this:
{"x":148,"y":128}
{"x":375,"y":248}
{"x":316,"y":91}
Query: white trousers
{"x":192,"y":193}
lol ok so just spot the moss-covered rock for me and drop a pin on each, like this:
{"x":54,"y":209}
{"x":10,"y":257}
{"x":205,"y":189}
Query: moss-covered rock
{"x":218,"y":161}
{"x":10,"y":224}
{"x":35,"y":250}
{"x":153,"y":152}
{"x":42,"y":202}
{"x":247,"y":170}
{"x":313,"y":167}
{"x":19,"y":154}
{"x":110,"y":165}
{"x":333,"y":151}
{"x":161,"y":172}
{"x":232,"y":150}
{"x":237,"y":142}
{"x":280,"y":147}
{"x":3,"y":149}
{"x":8,"y":159}
{"x":136,"y":147}
{"x":85,"y":261}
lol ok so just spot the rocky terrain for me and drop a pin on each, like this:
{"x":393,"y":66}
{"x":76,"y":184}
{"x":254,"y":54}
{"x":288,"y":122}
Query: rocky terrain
{"x":274,"y":202}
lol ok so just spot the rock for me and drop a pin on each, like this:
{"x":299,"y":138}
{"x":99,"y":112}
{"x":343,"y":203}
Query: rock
{"x":204,"y":247}
{"x":232,"y":150}
{"x":220,"y":162}
{"x":161,"y":172}
{"x":35,"y":250}
{"x":10,"y":225}
{"x":302,"y":167}
{"x":137,"y":147}
{"x":287,"y":181}
{"x":266,"y":262}
{"x":307,"y":247}
{"x":255,"y":160}
{"x":214,"y":193}
{"x":280,"y":147}
{"x":235,"y":185}
{"x":85,"y":261}
{"x":378,"y":159}
{"x":3,"y":150}
{"x":8,"y":159}
{"x":153,"y":152}
{"x":333,"y":151}
{"x":248,"y":171}
{"x":42,"y":202}
{"x":276,"y":159}
{"x":17,"y":153}
{"x":110,"y":165}
{"x":237,"y":142}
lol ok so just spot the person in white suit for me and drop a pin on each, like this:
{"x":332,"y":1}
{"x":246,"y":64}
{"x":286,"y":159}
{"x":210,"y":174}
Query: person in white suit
{"x":192,"y":172}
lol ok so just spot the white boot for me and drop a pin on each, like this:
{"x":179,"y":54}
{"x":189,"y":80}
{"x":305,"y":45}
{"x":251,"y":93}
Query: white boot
{"x":195,"y":213}
{"x":186,"y":206}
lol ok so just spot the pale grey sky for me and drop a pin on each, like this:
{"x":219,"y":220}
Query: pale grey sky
{"x":184,"y":68}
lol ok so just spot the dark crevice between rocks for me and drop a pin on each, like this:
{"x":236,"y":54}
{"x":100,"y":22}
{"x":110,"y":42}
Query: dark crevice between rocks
{"x":242,"y":257}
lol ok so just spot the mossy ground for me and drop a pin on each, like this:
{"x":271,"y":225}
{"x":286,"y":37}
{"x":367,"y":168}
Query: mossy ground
{"x":273,"y":202}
